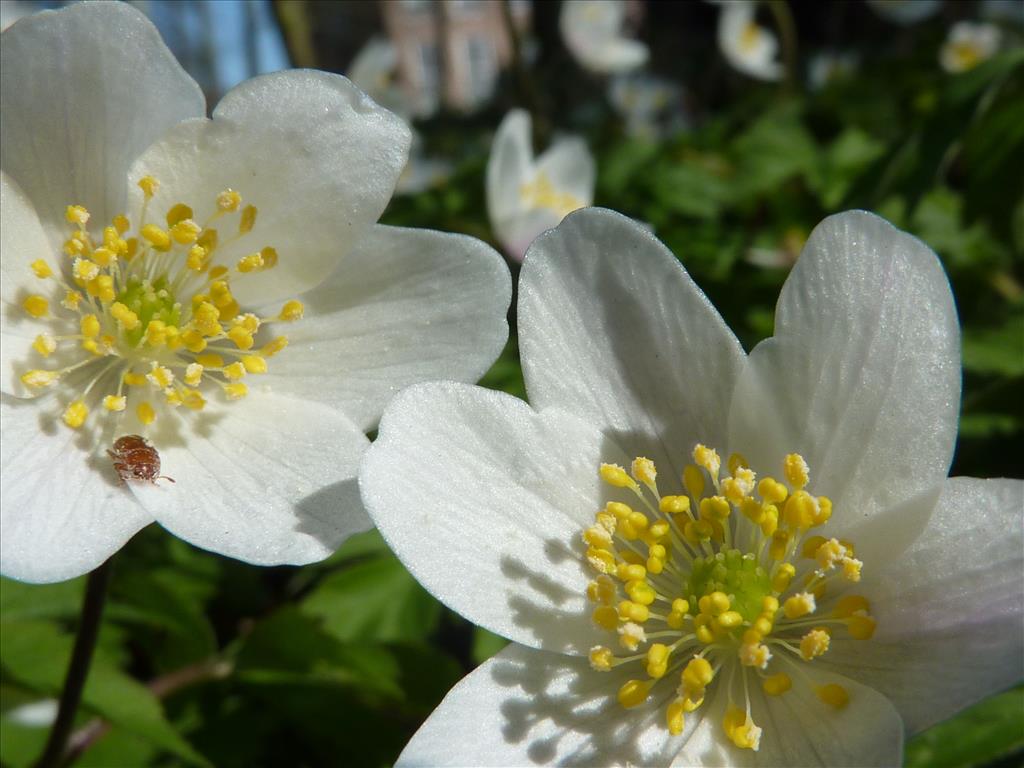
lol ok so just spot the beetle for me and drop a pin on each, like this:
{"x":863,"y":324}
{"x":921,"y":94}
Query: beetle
{"x":136,"y":459}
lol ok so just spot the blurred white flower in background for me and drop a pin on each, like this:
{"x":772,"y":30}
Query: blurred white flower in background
{"x":217,"y":286}
{"x":905,"y":11}
{"x":748,"y":47}
{"x":373,"y":70}
{"x":422,"y":172}
{"x":527,"y":195}
{"x":593,"y":33}
{"x":968,"y":45}
{"x":652,"y":107}
{"x":831,"y":66}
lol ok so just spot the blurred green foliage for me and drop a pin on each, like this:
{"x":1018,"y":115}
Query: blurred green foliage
{"x":206,"y":661}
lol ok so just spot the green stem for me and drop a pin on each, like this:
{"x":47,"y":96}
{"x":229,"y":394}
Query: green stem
{"x":78,"y":669}
{"x":787,"y":34}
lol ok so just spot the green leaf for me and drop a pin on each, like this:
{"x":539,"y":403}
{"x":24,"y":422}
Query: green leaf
{"x":40,"y":601}
{"x":486,"y":644}
{"x":374,"y":600}
{"x":986,"y":731}
{"x":996,"y":350}
{"x":773,"y":150}
{"x":36,"y":654}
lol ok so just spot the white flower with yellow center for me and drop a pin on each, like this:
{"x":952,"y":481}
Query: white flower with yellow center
{"x":968,"y":45}
{"x":706,"y":557}
{"x":748,"y":47}
{"x":527,"y":195}
{"x":215,"y":286}
{"x":592,"y":31}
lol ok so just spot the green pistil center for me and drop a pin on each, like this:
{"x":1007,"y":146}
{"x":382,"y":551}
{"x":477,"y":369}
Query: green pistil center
{"x":149,"y":300}
{"x":735,"y":574}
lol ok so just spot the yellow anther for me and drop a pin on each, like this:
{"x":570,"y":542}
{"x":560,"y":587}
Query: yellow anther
{"x":692,"y":700}
{"x":737,"y":461}
{"x":676,"y":619}
{"x":850,"y":604}
{"x":156,"y":237}
{"x":656,"y":532}
{"x":799,"y":605}
{"x":674,"y":717}
{"x":205,"y":319}
{"x":674,"y":505}
{"x":127,"y":319}
{"x":708,"y":459}
{"x":730,"y":620}
{"x":145,"y":412}
{"x":644,"y":471}
{"x":612,"y":474}
{"x":177,"y":213}
{"x":172,"y":397}
{"x":834,"y":695}
{"x":149,"y":185}
{"x":90,"y":326}
{"x":814,"y":643}
{"x":75,"y":414}
{"x":210,"y":360}
{"x":103,"y":256}
{"x":603,"y":519}
{"x":641,"y":592}
{"x":851,"y":569}
{"x":159,"y":376}
{"x":797,"y":472}
{"x":185,"y":232}
{"x":37,"y":378}
{"x":631,"y":635}
{"x":635,"y":612}
{"x":776,"y":685}
{"x":196,"y":259}
{"x":763,"y":625}
{"x":800,"y":510}
{"x":274,"y":346}
{"x":657,"y":660}
{"x":601,"y":658}
{"x":193,"y":341}
{"x":754,"y":655}
{"x":71,"y":300}
{"x":595,"y":535}
{"x":693,"y":481}
{"x":248,"y":220}
{"x":769,"y":520}
{"x":698,"y":531}
{"x":823,"y":511}
{"x":717,"y":603}
{"x":618,"y":510}
{"x":156,"y":333}
{"x":36,"y":306}
{"x":193,"y":374}
{"x":249,"y":321}
{"x":236,"y":390}
{"x":208,"y":239}
{"x":861,"y":627}
{"x":601,"y":590}
{"x":293,"y":310}
{"x":234,"y":371}
{"x":704,"y":634}
{"x":76,"y":214}
{"x":697,"y":674}
{"x":741,"y":729}
{"x":770,"y":605}
{"x":779,"y":544}
{"x":41,"y":269}
{"x":752,"y":636}
{"x":714,"y":508}
{"x":134,"y":379}
{"x":634,"y":693}
{"x":217,"y":272}
{"x":131,"y":248}
{"x":269,"y":257}
{"x":811,"y":546}
{"x":601,"y":560}
{"x":121,"y":224}
{"x":115,"y":402}
{"x":44,"y":344}
{"x":228,"y":200}
{"x":783,"y":575}
{"x":829,"y":554}
{"x":73,"y":247}
{"x":250,"y":263}
{"x":102,"y":288}
{"x":193,"y":399}
{"x":241,"y":337}
{"x":631,"y":572}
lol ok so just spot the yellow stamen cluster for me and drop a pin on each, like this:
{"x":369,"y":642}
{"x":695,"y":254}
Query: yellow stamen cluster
{"x":724,"y":573}
{"x":539,"y":192}
{"x":119,"y":292}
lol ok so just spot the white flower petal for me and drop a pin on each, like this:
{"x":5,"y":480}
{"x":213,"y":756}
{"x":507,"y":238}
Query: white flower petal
{"x":485,"y":501}
{"x":267,"y":479}
{"x":950,"y":610}
{"x":84,"y":91}
{"x":528,"y":707}
{"x":592,"y":31}
{"x":22,"y":241}
{"x":614,"y":330}
{"x":862,"y":376}
{"x":407,"y":305}
{"x":508,"y":167}
{"x":748,"y":47}
{"x":571,"y":169}
{"x":317,"y":158}
{"x":62,"y":509}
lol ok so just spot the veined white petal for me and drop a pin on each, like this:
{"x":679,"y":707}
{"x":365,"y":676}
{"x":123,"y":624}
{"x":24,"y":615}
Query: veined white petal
{"x":950,"y":610}
{"x":865,"y":361}
{"x":268,"y":479}
{"x":62,"y":509}
{"x":317,"y":158}
{"x":529,"y":707}
{"x":22,"y":241}
{"x":407,"y":305}
{"x":485,"y":501}
{"x":84,"y":90}
{"x":614,"y":330}
{"x":508,"y":167}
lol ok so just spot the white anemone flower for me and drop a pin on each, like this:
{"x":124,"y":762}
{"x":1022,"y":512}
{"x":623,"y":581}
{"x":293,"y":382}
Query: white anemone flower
{"x":905,"y":12}
{"x":216,"y":287}
{"x":968,"y":45}
{"x":784,"y":602}
{"x":748,"y":47}
{"x":592,"y":31}
{"x":373,"y":72}
{"x":527,"y":195}
{"x":652,"y":107}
